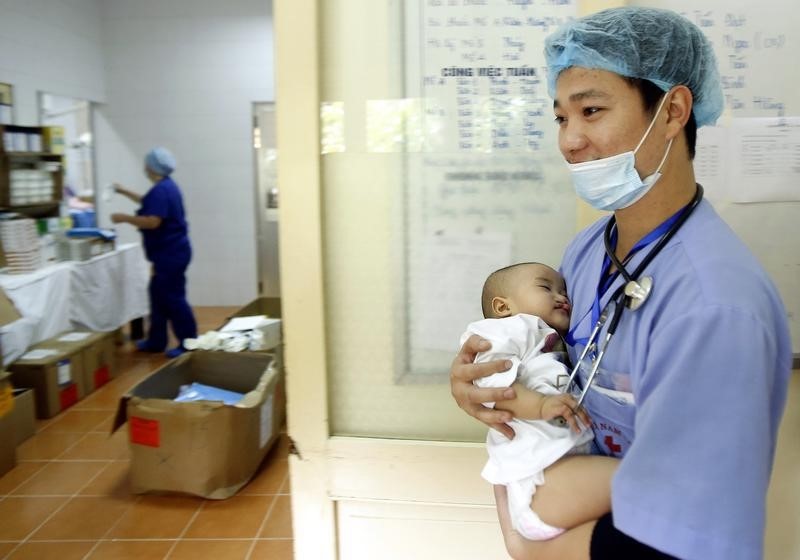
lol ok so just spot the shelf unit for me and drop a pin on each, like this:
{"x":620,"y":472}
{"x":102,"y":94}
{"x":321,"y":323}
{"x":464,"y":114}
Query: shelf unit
{"x":31,"y":177}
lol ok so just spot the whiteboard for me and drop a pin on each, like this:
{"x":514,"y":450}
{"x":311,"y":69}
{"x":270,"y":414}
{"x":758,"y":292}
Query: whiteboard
{"x":486,"y":185}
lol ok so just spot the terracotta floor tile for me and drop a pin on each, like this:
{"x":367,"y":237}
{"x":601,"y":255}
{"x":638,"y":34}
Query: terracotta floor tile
{"x":279,"y":522}
{"x":45,"y":445}
{"x":137,"y":373}
{"x":107,"y":396}
{"x":75,"y":420}
{"x":269,"y":478}
{"x":42,"y":423}
{"x":6,"y":547}
{"x":156,"y":517}
{"x":279,"y":549}
{"x":52,"y":551}
{"x":61,"y":478}
{"x":19,"y":474}
{"x":83,"y":518}
{"x":236,"y":517}
{"x":211,"y":550}
{"x":98,"y":446}
{"x":22,"y":515}
{"x":131,"y":550}
{"x":212,"y":317}
{"x":112,"y":481}
{"x":286,"y":487}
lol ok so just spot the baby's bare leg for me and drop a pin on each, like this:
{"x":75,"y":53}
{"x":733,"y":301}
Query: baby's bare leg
{"x":576,"y":489}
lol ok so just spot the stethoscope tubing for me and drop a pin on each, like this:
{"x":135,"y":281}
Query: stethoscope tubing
{"x":619,"y":297}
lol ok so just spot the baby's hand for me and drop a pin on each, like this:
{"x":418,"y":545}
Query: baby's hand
{"x":565,"y":406}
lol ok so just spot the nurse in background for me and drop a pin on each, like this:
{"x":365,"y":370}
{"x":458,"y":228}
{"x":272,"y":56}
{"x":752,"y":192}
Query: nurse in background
{"x":693,"y":386}
{"x":162,"y":221}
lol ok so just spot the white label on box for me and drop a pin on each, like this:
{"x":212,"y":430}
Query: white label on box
{"x":39,"y":354}
{"x":64,"y":377}
{"x":74,"y":336}
{"x":266,"y":422}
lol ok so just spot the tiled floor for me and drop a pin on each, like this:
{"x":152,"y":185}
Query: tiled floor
{"x":68,"y":496}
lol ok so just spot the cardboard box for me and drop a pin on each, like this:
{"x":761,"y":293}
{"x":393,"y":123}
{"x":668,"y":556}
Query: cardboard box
{"x":202,"y":448}
{"x":271,"y":307}
{"x":100,"y":362}
{"x":97,"y":352}
{"x":269,"y":328}
{"x":24,"y":414}
{"x":8,"y":441}
{"x":55,"y":373}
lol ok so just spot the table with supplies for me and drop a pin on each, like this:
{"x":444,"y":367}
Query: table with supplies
{"x":99,"y":294}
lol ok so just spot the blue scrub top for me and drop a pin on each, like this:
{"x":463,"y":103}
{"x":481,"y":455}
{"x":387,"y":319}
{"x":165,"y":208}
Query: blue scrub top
{"x":707,"y":361}
{"x":169,"y":241}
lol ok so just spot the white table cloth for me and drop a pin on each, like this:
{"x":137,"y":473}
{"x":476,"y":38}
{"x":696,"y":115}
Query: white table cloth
{"x":100,"y":294}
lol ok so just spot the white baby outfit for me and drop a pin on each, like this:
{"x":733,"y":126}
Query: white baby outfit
{"x":519,"y":463}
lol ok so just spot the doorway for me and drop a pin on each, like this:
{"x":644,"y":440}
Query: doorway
{"x":265,"y":156}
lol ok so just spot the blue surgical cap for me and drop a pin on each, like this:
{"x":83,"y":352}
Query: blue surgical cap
{"x":646,"y":43}
{"x":160,"y":161}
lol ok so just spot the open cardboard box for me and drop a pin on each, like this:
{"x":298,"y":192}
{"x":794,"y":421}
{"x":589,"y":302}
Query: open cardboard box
{"x":202,"y":448}
{"x":269,"y":306}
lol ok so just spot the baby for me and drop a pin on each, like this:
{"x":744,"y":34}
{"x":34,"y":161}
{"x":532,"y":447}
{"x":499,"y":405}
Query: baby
{"x":527,"y":312}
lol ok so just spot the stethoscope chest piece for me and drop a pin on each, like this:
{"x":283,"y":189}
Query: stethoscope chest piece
{"x":637,"y":292}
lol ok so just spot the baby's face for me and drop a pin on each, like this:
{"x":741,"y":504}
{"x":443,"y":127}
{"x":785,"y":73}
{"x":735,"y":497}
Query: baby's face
{"x":539,"y":290}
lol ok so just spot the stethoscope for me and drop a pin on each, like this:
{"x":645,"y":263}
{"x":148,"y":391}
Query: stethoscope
{"x":632,"y":294}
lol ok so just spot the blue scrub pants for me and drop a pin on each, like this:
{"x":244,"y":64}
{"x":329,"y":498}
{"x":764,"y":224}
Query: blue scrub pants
{"x":168,"y":302}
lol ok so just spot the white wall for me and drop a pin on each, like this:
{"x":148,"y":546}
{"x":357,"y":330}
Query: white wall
{"x":52,"y":46}
{"x":184,"y":74}
{"x":180,"y":73}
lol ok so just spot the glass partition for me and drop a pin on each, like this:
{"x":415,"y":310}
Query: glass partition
{"x":439,"y":165}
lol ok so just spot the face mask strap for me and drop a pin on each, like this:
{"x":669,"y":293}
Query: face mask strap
{"x":666,"y":153}
{"x":652,"y":122}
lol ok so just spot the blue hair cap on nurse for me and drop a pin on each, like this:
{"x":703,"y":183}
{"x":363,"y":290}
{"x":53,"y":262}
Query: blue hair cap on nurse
{"x":651,"y":44}
{"x":160,"y":161}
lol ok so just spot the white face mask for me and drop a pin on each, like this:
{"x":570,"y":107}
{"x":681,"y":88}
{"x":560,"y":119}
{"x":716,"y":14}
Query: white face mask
{"x":613,"y":183}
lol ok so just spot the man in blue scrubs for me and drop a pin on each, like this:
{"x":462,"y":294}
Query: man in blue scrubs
{"x":162,"y":221}
{"x":693,"y":385}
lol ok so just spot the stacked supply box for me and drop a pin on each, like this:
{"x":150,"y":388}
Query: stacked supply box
{"x":21,"y":245}
{"x":97,"y":356}
{"x":54,"y":372}
{"x":83,"y":243}
{"x":203,"y":448}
